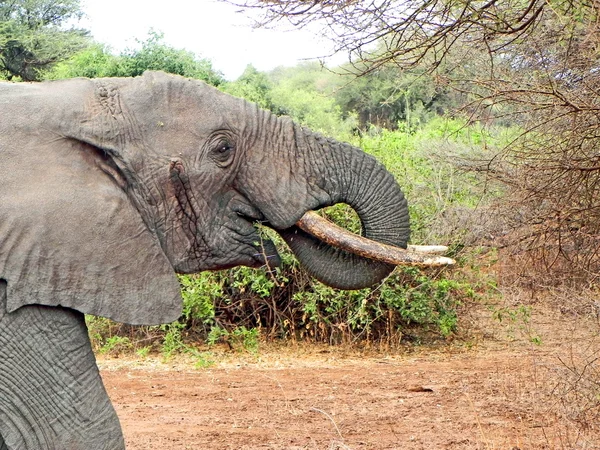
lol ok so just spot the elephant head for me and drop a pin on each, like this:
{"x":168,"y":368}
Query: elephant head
{"x":110,"y":186}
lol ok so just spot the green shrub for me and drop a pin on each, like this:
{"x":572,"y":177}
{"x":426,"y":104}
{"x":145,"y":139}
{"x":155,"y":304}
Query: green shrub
{"x":408,"y":298}
{"x":153,"y":54}
{"x":240,"y":338}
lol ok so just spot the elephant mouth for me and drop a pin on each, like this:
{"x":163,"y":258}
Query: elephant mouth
{"x":261,"y":250}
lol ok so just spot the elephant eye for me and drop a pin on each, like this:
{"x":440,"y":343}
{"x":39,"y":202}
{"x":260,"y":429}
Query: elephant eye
{"x":222,"y":153}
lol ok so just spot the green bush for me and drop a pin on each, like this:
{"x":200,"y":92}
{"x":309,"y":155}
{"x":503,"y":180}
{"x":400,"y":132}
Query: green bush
{"x":93,"y":62}
{"x":153,"y":54}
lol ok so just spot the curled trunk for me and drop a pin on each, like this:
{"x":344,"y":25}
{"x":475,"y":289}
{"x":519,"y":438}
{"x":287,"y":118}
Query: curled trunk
{"x":350,"y":176}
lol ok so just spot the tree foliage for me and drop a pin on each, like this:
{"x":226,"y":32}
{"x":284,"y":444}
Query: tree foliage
{"x":153,"y":54}
{"x":326,"y":101}
{"x":305,"y":93}
{"x":254,"y":86}
{"x":93,"y":62}
{"x":386,"y":97}
{"x":33,"y":36}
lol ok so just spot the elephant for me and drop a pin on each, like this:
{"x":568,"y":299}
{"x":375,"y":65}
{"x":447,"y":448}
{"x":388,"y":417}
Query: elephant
{"x":111,"y":186}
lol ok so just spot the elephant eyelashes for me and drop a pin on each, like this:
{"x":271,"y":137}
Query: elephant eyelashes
{"x":223,"y":153}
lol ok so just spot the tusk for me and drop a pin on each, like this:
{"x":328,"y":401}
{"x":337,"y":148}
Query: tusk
{"x":332,"y":234}
{"x":429,"y":249}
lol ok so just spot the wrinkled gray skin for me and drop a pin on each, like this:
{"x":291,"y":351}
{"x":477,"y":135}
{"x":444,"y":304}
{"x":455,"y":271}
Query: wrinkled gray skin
{"x":110,"y":186}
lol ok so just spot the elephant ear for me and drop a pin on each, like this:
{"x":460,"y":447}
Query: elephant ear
{"x":69,"y":234}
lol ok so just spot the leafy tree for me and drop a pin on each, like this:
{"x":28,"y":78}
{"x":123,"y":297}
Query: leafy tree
{"x":386,"y":96}
{"x":97,"y":61}
{"x":33,"y":37}
{"x":156,"y":55}
{"x":254,"y":86}
{"x":93,"y":62}
{"x":305,"y":93}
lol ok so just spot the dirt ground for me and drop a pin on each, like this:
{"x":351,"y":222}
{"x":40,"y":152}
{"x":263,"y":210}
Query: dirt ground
{"x":496,"y":391}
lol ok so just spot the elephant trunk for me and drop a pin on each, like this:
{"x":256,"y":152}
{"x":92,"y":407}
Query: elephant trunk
{"x":348,"y":175}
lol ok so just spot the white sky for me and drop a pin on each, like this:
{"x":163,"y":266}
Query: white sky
{"x":211,"y":29}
